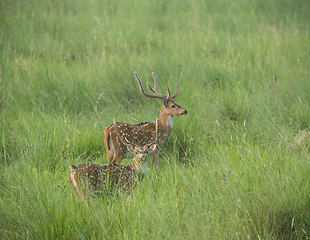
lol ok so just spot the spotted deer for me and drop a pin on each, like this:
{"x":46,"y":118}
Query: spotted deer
{"x":96,"y":178}
{"x":144,"y":133}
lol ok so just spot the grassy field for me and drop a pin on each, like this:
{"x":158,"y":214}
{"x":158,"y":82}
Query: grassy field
{"x":236,"y":167}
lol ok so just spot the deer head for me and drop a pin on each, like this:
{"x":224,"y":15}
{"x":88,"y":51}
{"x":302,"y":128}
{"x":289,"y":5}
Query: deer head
{"x":140,"y":152}
{"x":169,"y":106}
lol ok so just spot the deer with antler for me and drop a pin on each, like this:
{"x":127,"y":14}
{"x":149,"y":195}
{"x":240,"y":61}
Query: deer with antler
{"x":144,"y":133}
{"x":95,"y":178}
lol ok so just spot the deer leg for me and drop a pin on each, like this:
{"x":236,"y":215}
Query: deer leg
{"x":118,"y":154}
{"x":110,"y":155}
{"x":117,"y":159}
{"x":108,"y":146}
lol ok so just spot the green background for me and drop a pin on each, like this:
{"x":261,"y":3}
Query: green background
{"x":236,"y":167}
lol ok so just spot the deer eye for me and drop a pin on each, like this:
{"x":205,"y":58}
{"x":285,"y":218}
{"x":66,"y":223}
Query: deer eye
{"x":173,"y":106}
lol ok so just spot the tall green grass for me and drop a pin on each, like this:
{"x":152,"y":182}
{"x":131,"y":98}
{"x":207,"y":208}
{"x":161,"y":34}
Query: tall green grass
{"x":236,"y":167}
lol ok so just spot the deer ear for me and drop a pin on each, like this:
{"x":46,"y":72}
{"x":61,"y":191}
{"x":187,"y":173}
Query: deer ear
{"x":165,"y":102}
{"x":130,"y":148}
{"x":152,"y":148}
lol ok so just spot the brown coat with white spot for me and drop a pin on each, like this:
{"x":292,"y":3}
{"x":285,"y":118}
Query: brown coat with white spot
{"x":97,"y":179}
{"x":143,"y":133}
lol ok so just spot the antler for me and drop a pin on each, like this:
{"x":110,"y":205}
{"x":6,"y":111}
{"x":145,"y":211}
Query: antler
{"x":155,"y":94}
{"x":155,"y":81}
{"x":173,"y":97}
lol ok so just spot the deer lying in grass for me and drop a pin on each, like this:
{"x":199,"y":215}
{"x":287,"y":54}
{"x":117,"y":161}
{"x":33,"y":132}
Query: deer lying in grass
{"x":144,"y":133}
{"x":95,"y":179}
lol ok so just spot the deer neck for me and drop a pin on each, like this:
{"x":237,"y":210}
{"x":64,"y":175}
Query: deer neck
{"x":165,"y":122}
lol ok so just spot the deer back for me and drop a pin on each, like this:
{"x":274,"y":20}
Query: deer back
{"x":141,"y":134}
{"x":97,"y":179}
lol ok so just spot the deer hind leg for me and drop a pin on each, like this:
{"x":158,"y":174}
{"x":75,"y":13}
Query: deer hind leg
{"x":118,"y":157}
{"x":108,"y":145}
{"x":77,"y":188}
{"x":118,"y":151}
{"x":73,"y":182}
{"x":81,"y":192}
{"x":110,"y":152}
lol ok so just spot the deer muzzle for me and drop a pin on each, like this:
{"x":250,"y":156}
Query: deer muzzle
{"x":184,"y":113}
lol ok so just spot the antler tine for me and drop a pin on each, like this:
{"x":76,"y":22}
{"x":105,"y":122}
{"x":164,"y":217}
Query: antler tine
{"x":121,"y":138}
{"x":173,"y":97}
{"x":168,"y":91}
{"x":161,"y":96}
{"x":155,"y":94}
{"x":155,"y":82}
{"x":156,"y":139}
{"x":141,"y":87}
